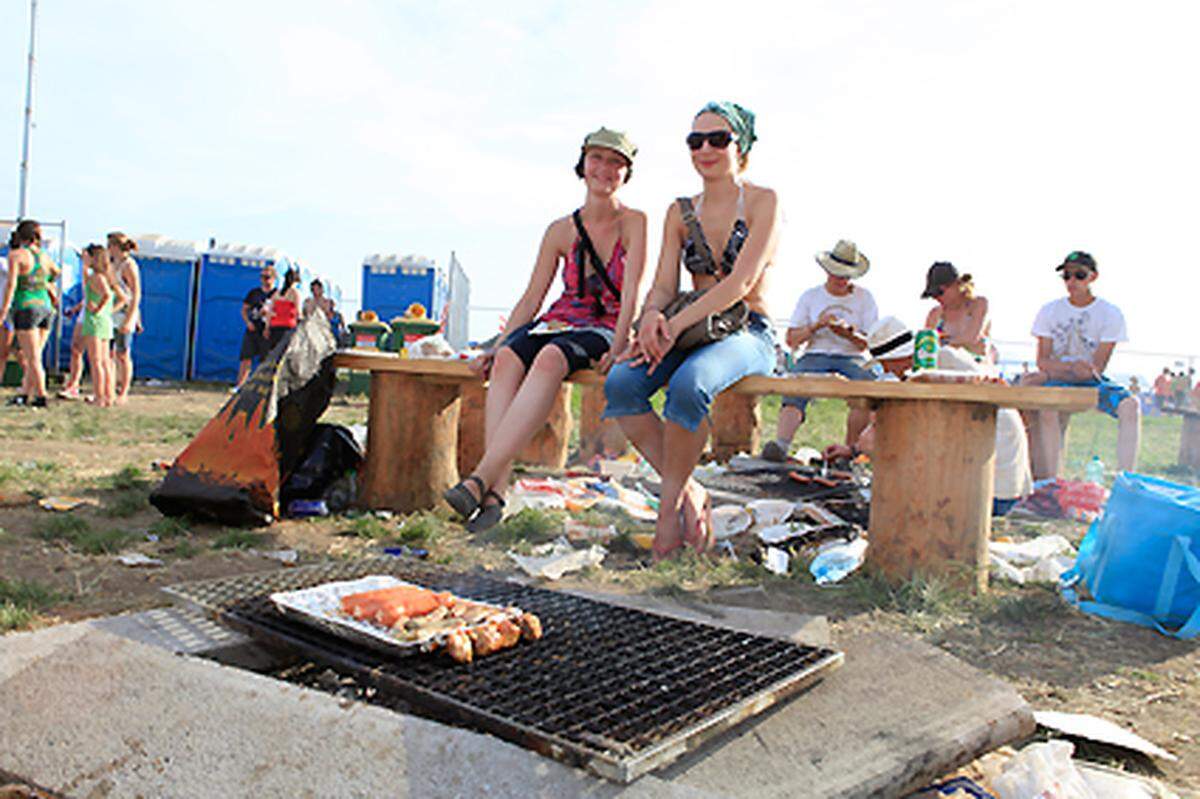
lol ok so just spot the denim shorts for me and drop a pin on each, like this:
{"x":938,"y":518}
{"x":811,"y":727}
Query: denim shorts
{"x":33,"y":317}
{"x":693,"y":379}
{"x":851,"y":366}
{"x":579,"y":347}
{"x":1111,"y":392}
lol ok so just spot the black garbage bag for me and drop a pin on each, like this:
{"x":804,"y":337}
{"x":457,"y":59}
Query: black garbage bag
{"x":232,"y":471}
{"x":331,"y":452}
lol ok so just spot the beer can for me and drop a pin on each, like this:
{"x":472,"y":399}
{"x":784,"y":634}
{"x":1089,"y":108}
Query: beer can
{"x":925,"y":349}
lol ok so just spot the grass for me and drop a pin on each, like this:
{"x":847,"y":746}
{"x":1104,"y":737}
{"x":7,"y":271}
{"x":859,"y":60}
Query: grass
{"x":239,"y":539}
{"x":61,"y":526}
{"x":126,"y":502}
{"x":528,"y":526}
{"x":37,"y":477}
{"x":77,"y":532}
{"x":169,"y":527}
{"x":20,"y":601}
{"x":127,"y":477}
{"x":370,"y":526}
{"x":423,"y":527}
{"x":185,"y":549}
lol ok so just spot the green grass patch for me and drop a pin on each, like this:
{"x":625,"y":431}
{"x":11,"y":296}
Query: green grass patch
{"x":169,"y":527}
{"x":127,"y":477}
{"x":61,"y":526}
{"x":14,"y":617}
{"x":103,"y":542}
{"x":371,"y":527}
{"x":126,"y":502}
{"x":528,"y":526}
{"x":423,"y":527}
{"x":184,"y":549}
{"x":239,"y":539}
{"x":20,"y":600}
{"x":9,"y":473}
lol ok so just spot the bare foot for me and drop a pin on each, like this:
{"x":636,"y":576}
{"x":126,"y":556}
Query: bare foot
{"x":668,"y":536}
{"x":697,"y":517}
{"x":121,"y":399}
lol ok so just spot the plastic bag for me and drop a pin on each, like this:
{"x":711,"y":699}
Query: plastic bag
{"x":1140,"y":562}
{"x":1043,"y":771}
{"x":331,"y":452}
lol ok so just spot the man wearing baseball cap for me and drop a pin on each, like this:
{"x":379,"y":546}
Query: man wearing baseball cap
{"x":831,"y":320}
{"x":1076,"y":336}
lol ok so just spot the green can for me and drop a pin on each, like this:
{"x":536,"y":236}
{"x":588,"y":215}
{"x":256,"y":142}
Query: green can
{"x":925,"y":349}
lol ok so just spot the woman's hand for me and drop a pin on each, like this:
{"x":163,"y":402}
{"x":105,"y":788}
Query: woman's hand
{"x":481,"y":364}
{"x":655,"y":336}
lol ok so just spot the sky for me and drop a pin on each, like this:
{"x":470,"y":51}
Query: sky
{"x":996,"y":135}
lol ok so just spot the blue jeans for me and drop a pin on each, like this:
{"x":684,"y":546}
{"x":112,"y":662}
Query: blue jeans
{"x":692,"y":378}
{"x":1111,"y":392}
{"x":851,"y":366}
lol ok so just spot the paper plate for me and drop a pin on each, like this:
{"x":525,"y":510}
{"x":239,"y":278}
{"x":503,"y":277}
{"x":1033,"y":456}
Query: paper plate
{"x":729,"y":520}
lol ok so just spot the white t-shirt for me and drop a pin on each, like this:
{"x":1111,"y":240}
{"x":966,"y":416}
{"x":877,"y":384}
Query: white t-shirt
{"x":858,"y":308}
{"x":1075,"y":333}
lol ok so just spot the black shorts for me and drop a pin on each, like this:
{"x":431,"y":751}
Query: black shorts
{"x":277,"y":335}
{"x":581,"y":348}
{"x":254,"y":345}
{"x":32,"y":317}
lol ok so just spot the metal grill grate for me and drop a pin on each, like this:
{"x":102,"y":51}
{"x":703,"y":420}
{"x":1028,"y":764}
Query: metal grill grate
{"x":617,"y":690}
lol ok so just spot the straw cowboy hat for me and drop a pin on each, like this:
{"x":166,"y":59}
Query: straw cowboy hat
{"x":844,"y":260}
{"x":889,"y":338}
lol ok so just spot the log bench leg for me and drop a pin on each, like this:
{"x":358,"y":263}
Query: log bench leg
{"x":598,"y":436}
{"x":412,"y":438}
{"x":1189,"y":442}
{"x":931,"y":491}
{"x":735,"y":425}
{"x":472,"y":425}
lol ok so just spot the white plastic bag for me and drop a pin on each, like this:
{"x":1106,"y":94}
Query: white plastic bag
{"x":1043,"y":771}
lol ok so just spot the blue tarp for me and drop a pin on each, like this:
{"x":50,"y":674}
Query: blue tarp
{"x":161,"y":349}
{"x":389,"y":290}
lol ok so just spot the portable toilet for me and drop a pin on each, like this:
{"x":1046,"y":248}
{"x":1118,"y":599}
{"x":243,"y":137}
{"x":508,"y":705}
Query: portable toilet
{"x":168,"y":272}
{"x":392,"y":283}
{"x":227,"y":273}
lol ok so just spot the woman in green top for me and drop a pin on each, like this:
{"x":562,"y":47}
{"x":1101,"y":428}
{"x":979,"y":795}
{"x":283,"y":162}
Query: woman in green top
{"x":97,"y":325}
{"x":30,"y":295}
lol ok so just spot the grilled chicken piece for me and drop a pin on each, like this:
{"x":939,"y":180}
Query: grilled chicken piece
{"x":509,"y":633}
{"x":486,"y":639}
{"x":531,"y":627}
{"x":459,"y":648}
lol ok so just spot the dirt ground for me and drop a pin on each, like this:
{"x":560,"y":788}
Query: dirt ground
{"x":1056,"y":657}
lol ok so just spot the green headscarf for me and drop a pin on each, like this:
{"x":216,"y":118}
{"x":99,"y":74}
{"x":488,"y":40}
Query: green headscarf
{"x":740,"y":119}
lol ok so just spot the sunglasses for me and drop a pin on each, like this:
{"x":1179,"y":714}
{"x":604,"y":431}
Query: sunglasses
{"x":1068,"y":274}
{"x":719,"y":139}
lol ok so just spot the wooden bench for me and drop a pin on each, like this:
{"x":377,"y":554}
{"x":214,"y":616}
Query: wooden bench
{"x":933,"y":463}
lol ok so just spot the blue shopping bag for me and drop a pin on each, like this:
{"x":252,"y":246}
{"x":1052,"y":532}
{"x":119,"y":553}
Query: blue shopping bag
{"x":1140,"y":561}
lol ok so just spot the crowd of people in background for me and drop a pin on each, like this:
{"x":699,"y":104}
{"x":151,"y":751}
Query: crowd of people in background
{"x":269,"y":312}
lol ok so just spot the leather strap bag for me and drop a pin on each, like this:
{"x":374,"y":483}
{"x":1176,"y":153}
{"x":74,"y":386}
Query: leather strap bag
{"x":715,"y":326}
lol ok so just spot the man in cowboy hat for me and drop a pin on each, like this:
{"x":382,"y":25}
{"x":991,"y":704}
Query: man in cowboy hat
{"x":1076,"y":336}
{"x":890,"y":343}
{"x":831,"y":319}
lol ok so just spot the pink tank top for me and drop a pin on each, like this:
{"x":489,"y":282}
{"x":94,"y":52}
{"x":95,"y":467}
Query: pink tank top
{"x":585,"y":311}
{"x":283,"y":313}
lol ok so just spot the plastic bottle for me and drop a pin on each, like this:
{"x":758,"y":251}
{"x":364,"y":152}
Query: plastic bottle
{"x":834,"y":563}
{"x":1094,"y":471}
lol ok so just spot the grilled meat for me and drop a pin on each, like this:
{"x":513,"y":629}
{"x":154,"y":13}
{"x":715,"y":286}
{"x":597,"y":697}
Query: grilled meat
{"x":531,"y":627}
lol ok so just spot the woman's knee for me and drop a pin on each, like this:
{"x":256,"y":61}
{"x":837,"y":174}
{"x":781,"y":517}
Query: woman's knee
{"x":550,"y":361}
{"x":508,"y":364}
{"x":1128,"y":410}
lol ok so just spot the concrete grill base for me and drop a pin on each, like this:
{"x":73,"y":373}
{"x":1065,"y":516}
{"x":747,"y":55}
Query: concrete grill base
{"x":87,"y":711}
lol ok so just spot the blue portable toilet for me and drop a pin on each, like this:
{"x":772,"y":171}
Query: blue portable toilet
{"x":168,"y":270}
{"x":391,"y":283}
{"x":227,"y":272}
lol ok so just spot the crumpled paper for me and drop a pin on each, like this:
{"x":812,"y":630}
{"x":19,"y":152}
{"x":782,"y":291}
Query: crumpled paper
{"x":1039,"y":560}
{"x":137,"y":559}
{"x":552,"y":561}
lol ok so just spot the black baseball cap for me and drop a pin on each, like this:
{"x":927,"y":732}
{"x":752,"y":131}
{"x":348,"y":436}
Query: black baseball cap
{"x":942,"y":273}
{"x":1078,"y":258}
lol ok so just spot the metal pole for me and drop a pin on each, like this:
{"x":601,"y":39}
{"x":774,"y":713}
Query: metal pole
{"x":21,"y":203}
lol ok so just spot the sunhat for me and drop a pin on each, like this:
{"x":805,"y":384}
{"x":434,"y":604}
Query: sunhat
{"x":889,"y":338}
{"x":614,"y":140}
{"x":844,"y":260}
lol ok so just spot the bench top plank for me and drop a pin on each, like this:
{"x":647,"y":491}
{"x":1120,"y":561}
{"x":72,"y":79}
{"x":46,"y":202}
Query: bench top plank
{"x":1030,"y":397}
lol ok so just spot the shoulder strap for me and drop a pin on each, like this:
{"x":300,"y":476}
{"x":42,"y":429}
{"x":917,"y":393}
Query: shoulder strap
{"x":697,"y":233}
{"x":585,"y":244}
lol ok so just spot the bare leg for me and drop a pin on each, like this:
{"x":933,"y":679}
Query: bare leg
{"x":528,"y":410}
{"x":856,"y":422}
{"x":790,"y":419}
{"x":5,"y":345}
{"x":31,"y":342}
{"x":99,"y":360}
{"x":505,"y":380}
{"x":124,"y":375}
{"x":1129,"y":433}
{"x":243,"y":371}
{"x":75,"y":374}
{"x":681,"y":453}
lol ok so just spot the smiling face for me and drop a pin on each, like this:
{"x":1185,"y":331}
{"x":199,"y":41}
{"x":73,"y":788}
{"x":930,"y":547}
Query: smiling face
{"x":836,"y":285}
{"x":709,"y":161}
{"x":604,"y":170}
{"x":949,"y":293}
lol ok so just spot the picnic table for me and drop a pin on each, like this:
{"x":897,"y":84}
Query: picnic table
{"x":932,"y":467}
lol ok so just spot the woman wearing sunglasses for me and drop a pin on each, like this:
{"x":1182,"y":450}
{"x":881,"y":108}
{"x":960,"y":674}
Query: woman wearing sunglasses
{"x":602,"y":249}
{"x":740,"y":221}
{"x":961,"y":316}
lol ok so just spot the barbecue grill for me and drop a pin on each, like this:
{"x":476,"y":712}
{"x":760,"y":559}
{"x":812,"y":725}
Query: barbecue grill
{"x":615,"y":690}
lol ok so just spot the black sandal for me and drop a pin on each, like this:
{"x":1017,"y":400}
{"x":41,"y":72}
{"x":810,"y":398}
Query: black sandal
{"x":462,"y":500}
{"x":490,"y":513}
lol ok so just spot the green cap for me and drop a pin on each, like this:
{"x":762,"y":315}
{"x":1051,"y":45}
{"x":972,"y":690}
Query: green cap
{"x":611,"y":140}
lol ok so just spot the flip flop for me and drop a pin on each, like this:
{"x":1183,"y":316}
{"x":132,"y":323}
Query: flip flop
{"x":490,"y":513}
{"x":462,"y":500}
{"x":659,"y":555}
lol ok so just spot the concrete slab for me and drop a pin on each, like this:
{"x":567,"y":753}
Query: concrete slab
{"x":87,"y":712}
